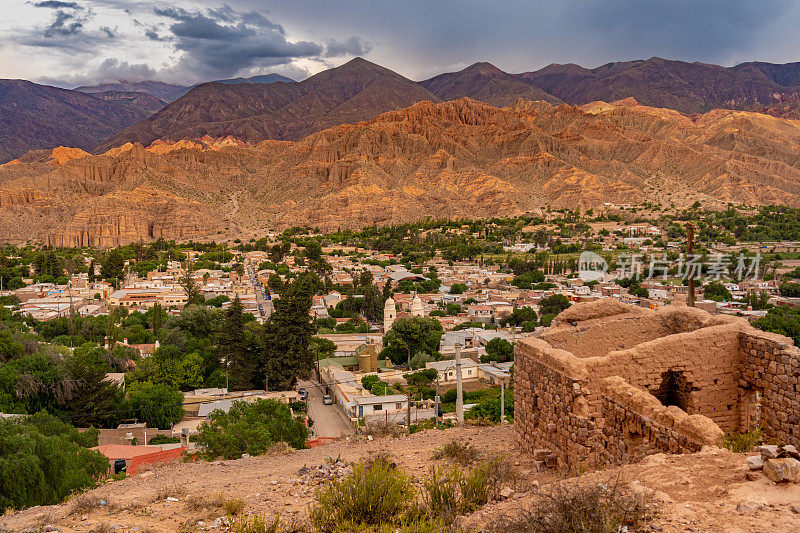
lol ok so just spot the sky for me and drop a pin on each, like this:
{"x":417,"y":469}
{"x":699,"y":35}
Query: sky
{"x":82,"y":42}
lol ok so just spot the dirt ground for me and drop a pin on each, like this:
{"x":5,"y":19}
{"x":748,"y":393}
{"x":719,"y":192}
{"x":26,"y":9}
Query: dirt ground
{"x":707,"y":491}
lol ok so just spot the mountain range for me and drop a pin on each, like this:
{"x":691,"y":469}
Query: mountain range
{"x":461,"y":158}
{"x":274,"y":107}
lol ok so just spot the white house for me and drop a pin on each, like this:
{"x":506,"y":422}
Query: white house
{"x":447,"y":370}
{"x":369,"y":406}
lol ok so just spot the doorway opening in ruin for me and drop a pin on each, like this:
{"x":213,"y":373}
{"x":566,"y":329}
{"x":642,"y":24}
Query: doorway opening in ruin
{"x":675,"y":390}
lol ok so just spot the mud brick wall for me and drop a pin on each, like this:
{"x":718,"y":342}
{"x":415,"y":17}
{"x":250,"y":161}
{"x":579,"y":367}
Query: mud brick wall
{"x":708,"y":358}
{"x":551,"y":410}
{"x":634,"y":424}
{"x":770,"y":365}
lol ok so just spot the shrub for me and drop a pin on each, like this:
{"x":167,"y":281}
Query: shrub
{"x":462,"y":454}
{"x":256,"y":524}
{"x":440,"y":492}
{"x":594,"y":509}
{"x":448,"y":493}
{"x":374,"y":494}
{"x":742,"y":442}
{"x":233,"y":506}
{"x":164,"y":439}
{"x":250,"y":428}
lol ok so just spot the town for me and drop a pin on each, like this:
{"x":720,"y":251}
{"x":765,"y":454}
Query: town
{"x":385,"y":331}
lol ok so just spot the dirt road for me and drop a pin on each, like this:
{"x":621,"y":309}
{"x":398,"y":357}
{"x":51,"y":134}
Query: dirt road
{"x":329,"y":420}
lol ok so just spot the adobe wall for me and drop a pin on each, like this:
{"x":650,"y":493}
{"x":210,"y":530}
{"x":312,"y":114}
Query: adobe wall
{"x":708,"y":359}
{"x":598,"y":409}
{"x":634,"y":424}
{"x":769,"y":386}
{"x":627,"y":327}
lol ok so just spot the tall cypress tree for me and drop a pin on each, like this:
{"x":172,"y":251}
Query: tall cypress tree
{"x":285,"y":353}
{"x":242,"y":364}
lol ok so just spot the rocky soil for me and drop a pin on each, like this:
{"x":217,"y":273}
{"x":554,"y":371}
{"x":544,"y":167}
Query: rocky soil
{"x":707,"y":491}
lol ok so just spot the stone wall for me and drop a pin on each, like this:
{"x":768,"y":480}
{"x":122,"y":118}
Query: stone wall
{"x":634,"y":424}
{"x":770,"y":385}
{"x":640,"y":382}
{"x":550,"y":406}
{"x":707,"y":358}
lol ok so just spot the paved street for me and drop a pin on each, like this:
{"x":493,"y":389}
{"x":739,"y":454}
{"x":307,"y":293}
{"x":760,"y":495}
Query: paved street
{"x":329,"y":420}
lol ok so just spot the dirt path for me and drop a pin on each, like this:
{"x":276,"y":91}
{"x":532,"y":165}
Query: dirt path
{"x":329,"y":420}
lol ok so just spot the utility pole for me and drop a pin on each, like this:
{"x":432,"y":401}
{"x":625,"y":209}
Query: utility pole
{"x":502,"y":401}
{"x":690,"y":253}
{"x":459,"y":388}
{"x":408,"y":413}
{"x":436,"y":407}
{"x":266,"y":381}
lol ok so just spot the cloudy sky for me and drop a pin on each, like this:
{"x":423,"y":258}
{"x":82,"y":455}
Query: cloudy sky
{"x":73,"y":42}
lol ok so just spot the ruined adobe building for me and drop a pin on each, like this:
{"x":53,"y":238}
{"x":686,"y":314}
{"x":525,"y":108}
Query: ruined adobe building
{"x":610,"y":383}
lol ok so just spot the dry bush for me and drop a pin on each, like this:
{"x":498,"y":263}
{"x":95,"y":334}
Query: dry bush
{"x":601,"y":508}
{"x":462,"y":454}
{"x":101,"y":528}
{"x":84,"y":504}
{"x":233,"y":506}
{"x":381,"y":456}
{"x":742,"y":442}
{"x":174,"y":490}
{"x":447,"y":493}
{"x":384,"y":429}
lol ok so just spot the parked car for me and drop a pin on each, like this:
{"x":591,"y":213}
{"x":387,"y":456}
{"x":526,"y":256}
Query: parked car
{"x":302,"y":393}
{"x":327,"y":400}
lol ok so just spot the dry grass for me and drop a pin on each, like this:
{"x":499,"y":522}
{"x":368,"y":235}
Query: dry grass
{"x":601,"y":508}
{"x":171,"y":491}
{"x":84,"y":504}
{"x":234,"y":506}
{"x":462,"y":454}
{"x":382,"y":429}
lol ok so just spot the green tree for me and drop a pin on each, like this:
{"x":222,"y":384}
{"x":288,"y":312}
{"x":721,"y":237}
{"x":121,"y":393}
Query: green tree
{"x":790,"y":290}
{"x":285,"y":353}
{"x":43,"y":469}
{"x":242,"y":362}
{"x":411,"y":335}
{"x":458,"y":288}
{"x":193,"y":294}
{"x":113,"y":264}
{"x":716,"y":291}
{"x":498,"y":350}
{"x":519,"y":316}
{"x":159,"y":405}
{"x":419,"y":360}
{"x":250,"y":428}
{"x":553,"y":305}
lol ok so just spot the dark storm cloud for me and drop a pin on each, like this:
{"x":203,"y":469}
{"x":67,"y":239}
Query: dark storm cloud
{"x":56,"y":4}
{"x":64,"y":24}
{"x":222,"y":41}
{"x":420,"y":37}
{"x":352,"y":46}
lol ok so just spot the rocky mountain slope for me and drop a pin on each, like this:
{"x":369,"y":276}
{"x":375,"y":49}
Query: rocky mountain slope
{"x":169,"y":92}
{"x":34,"y":116}
{"x":487,"y":83}
{"x":459,"y":159}
{"x":138,"y":100}
{"x":159,"y":89}
{"x":357,"y":90}
{"x":686,"y":87}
